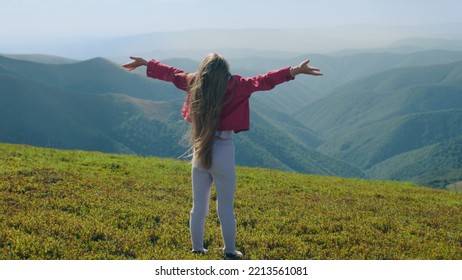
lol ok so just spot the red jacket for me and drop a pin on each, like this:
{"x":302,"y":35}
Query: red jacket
{"x":235,"y":114}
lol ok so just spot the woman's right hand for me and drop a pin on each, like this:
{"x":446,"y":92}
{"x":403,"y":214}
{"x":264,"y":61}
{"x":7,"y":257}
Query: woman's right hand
{"x":137,"y":62}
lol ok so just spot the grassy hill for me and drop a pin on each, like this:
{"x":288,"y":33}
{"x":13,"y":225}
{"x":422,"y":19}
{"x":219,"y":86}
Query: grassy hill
{"x":57,"y":204}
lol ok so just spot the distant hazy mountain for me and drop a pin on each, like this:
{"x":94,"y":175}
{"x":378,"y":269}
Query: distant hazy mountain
{"x":422,"y":43}
{"x":41,"y":58}
{"x":256,"y":42}
{"x":95,"y":76}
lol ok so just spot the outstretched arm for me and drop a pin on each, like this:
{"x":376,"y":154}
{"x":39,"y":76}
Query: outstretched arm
{"x":157,"y":70}
{"x":137,"y":62}
{"x":272,"y":78}
{"x":303,"y":68}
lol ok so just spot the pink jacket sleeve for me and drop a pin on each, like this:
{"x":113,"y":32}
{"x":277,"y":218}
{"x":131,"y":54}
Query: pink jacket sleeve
{"x":265,"y":81}
{"x":167,"y":73}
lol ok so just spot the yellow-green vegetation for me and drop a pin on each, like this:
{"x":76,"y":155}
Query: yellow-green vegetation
{"x":57,"y":204}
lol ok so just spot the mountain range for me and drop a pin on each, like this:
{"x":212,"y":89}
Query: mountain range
{"x":389,"y":123}
{"x":96,"y":105}
{"x":374,"y":115}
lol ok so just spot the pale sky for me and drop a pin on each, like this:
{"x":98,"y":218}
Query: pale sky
{"x":36,"y":20}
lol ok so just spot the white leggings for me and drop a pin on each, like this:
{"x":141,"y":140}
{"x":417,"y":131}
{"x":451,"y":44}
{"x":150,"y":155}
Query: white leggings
{"x":223,"y":173}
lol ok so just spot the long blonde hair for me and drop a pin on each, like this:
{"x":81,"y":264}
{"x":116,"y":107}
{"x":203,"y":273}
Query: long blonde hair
{"x":206,"y":96}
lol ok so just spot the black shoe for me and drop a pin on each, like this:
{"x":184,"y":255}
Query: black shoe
{"x":234,"y":256}
{"x":203,"y":252}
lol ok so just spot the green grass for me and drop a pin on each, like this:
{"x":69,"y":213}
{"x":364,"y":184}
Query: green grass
{"x":57,"y":204}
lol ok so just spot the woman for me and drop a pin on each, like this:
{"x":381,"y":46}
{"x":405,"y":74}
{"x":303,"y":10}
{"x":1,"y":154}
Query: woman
{"x":216,"y":105}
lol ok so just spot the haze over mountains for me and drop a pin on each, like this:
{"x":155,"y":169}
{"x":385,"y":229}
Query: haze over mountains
{"x":392,"y":113}
{"x":256,"y":42}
